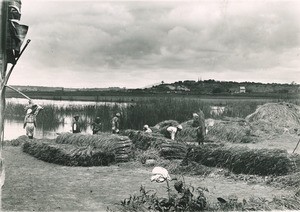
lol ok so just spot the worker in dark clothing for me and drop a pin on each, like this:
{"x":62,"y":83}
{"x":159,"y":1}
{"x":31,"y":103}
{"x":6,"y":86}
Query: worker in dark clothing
{"x":76,"y":125}
{"x":96,"y":126}
{"x":115,"y":122}
{"x":199,"y":123}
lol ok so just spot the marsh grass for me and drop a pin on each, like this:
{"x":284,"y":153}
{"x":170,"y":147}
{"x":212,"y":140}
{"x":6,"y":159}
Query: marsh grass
{"x":136,"y":114}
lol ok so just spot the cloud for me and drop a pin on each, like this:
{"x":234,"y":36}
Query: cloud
{"x":207,"y":37}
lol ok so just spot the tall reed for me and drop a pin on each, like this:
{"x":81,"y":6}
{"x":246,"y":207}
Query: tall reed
{"x":137,"y":113}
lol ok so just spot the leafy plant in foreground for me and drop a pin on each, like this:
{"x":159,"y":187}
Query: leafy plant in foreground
{"x":186,"y":198}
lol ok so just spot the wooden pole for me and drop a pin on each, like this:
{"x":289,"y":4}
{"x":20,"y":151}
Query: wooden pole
{"x":296,"y":146}
{"x":3,"y":67}
{"x":27,"y":97}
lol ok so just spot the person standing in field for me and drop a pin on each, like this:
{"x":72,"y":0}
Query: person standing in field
{"x":199,"y":123}
{"x":76,"y":125}
{"x":174,"y":130}
{"x":96,"y":126}
{"x":115,"y":122}
{"x":29,"y":123}
{"x":34,"y":107}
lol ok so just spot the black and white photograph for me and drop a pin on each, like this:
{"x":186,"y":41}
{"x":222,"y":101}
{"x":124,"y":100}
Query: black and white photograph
{"x":149,"y":105}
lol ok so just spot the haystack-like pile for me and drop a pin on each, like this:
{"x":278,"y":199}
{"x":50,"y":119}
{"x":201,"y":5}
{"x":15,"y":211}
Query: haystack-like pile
{"x":233,"y":130}
{"x":167,"y":148}
{"x":243,"y":160}
{"x":69,"y":155}
{"x":275,"y":117}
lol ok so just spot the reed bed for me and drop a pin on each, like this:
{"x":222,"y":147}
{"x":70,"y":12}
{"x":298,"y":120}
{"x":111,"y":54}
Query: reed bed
{"x":244,"y":160}
{"x":68,"y":155}
{"x":137,"y":113}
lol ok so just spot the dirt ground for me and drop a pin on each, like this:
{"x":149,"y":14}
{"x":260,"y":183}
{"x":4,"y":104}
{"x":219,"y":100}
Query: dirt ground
{"x":34,"y":185}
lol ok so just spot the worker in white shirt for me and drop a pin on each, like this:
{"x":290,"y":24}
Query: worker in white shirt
{"x":174,"y":130}
{"x":147,"y":129}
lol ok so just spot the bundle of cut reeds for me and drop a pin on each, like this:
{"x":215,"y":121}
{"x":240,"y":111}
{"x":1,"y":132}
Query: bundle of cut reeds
{"x":166,"y":123}
{"x":16,"y":142}
{"x":244,"y":160}
{"x":119,"y":145}
{"x":143,"y":140}
{"x":69,"y":155}
{"x":168,"y":148}
{"x":234,"y":131}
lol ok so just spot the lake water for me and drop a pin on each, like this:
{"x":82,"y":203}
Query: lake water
{"x":14,"y":127}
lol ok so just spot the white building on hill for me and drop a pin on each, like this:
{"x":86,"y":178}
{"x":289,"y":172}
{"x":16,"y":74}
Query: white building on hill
{"x":242,"y":89}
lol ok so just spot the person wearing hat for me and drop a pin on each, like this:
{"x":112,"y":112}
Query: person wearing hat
{"x":96,"y":126}
{"x":34,"y":107}
{"x":147,"y":129}
{"x":115,"y":122}
{"x":76,"y":125}
{"x":199,"y":124}
{"x":29,"y":123}
{"x":174,"y":130}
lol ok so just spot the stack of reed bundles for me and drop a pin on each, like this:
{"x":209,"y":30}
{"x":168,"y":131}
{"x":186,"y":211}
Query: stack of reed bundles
{"x":243,"y":160}
{"x":231,"y":130}
{"x":188,"y":132}
{"x":16,"y":142}
{"x":167,"y":148}
{"x":121,"y":146}
{"x":143,"y":140}
{"x":68,"y":155}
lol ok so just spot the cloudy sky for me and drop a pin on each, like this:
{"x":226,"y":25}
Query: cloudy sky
{"x":139,"y":43}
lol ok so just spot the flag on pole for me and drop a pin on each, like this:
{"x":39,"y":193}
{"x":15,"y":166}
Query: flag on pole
{"x":16,"y":32}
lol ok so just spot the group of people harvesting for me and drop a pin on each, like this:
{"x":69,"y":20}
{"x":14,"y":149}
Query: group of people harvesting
{"x":33,"y":109}
{"x":97,"y":125}
{"x":198,"y":123}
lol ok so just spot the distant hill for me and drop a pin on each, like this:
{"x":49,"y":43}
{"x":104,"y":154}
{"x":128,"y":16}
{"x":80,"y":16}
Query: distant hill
{"x":219,"y":87}
{"x":202,"y":87}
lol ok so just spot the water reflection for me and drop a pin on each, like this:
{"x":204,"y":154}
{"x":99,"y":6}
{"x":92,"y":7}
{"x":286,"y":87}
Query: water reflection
{"x":56,"y":117}
{"x":64,"y":103}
